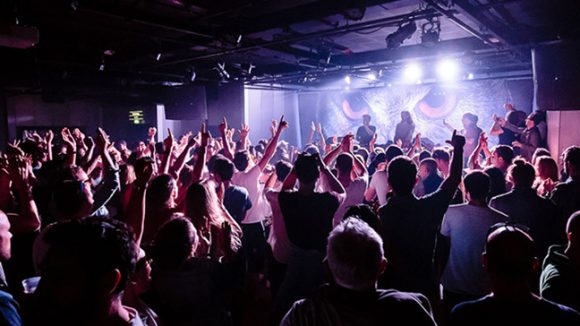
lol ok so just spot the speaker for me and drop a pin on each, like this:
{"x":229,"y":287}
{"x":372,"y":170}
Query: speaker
{"x":556,"y":76}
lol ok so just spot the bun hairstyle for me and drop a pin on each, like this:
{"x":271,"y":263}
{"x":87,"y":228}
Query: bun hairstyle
{"x":522,"y":173}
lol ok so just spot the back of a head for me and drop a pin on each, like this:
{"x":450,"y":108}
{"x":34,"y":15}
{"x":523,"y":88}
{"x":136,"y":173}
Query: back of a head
{"x":160,"y":190}
{"x":283,"y":168}
{"x":344,"y":163}
{"x":522,"y":174}
{"x":364,"y":153}
{"x":440,"y":154}
{"x":497,"y":183}
{"x":477,"y":185}
{"x":366,"y":214}
{"x":311,"y":149}
{"x":306,"y":168}
{"x":506,"y":153}
{"x":429,"y":164}
{"x":355,"y":254}
{"x":223,"y":168}
{"x":242,"y":160}
{"x":573,"y":230}
{"x":402,"y":175}
{"x":572,"y":157}
{"x":425,"y":154}
{"x":393,"y":151}
{"x":540,"y":152}
{"x":471,"y":117}
{"x":95,"y":248}
{"x":509,"y":254}
{"x":174,"y":243}
{"x":200,"y":201}
{"x":69,"y":198}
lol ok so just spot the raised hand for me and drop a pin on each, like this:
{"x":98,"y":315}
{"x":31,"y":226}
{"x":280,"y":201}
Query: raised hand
{"x":273,"y":127}
{"x":483,"y":140}
{"x":14,"y":148}
{"x":417,"y":141}
{"x":313,"y":127}
{"x":102,"y":141}
{"x":223,"y":126}
{"x":283,"y":124}
{"x":19,"y":168}
{"x":168,"y":142}
{"x":68,"y":138}
{"x":245,"y":130}
{"x":49,"y":137}
{"x":346,"y":143}
{"x":152,"y":132}
{"x":90,"y":142}
{"x":319,"y":129}
{"x":457,"y":141}
{"x":204,"y":135}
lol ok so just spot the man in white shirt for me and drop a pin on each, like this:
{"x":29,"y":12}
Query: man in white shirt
{"x":463,"y":236}
{"x":379,"y":185}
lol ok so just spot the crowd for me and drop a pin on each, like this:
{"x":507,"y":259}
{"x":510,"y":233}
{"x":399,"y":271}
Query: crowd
{"x":202,"y":230}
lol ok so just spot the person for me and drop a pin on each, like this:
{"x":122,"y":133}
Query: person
{"x":560,"y":279}
{"x":566,"y":194}
{"x":84,"y":274}
{"x":352,"y":174}
{"x":462,"y":240}
{"x":355,"y":258}
{"x":470,"y":131}
{"x":161,"y":204}
{"x":510,"y":262}
{"x":177,"y":273}
{"x":236,"y":199}
{"x":379,"y":185}
{"x":410,"y":224}
{"x":9,"y":312}
{"x":502,"y":157}
{"x":430,"y":180}
{"x":366,"y":132}
{"x":530,"y":138}
{"x":366,"y":214}
{"x":547,"y":176}
{"x":505,"y":135}
{"x":404,"y":130}
{"x":308,"y":218}
{"x":525,"y":207}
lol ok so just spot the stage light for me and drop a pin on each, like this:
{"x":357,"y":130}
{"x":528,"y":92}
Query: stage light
{"x":470,"y":76}
{"x":447,"y":70}
{"x":404,"y":32}
{"x":158,"y":57}
{"x":412,"y":73}
{"x":430,"y":33}
{"x":193,"y":75}
{"x":347,"y":79}
{"x":102,"y":66}
{"x":221,"y":68}
{"x":372,"y":76}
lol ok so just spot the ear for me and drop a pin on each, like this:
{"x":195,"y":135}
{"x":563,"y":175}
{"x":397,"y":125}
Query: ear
{"x":111,"y":281}
{"x":383,"y":266}
{"x":536,"y":265}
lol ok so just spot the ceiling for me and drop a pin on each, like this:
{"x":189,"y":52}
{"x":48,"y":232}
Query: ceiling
{"x":285,"y":42}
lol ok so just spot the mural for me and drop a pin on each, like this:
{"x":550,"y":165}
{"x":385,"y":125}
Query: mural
{"x":429,"y":105}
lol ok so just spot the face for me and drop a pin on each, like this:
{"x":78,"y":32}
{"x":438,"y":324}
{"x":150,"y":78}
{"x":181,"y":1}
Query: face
{"x":5,"y":237}
{"x":530,"y":123}
{"x":466,"y":122}
{"x":366,"y":120}
{"x":423,"y":173}
{"x":496,"y":160}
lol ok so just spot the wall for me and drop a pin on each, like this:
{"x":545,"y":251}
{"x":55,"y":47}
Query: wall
{"x":563,"y":131}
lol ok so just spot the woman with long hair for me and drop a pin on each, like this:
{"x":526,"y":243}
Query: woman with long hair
{"x":546,"y":175}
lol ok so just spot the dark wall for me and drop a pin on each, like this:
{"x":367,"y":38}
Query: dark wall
{"x":225,"y":101}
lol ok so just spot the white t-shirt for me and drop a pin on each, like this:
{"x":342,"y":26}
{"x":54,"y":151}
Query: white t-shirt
{"x":467,"y":226}
{"x":380,"y":183}
{"x":250,"y":180}
{"x":355,"y":194}
{"x":278,"y":237}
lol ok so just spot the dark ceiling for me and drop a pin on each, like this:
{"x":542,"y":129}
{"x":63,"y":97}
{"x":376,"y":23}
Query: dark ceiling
{"x":287,"y":42}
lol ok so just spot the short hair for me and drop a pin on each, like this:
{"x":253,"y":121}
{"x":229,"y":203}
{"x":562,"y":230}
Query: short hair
{"x":69,"y":197}
{"x":573,"y":225}
{"x":540,"y":152}
{"x":393,"y":151}
{"x":471,"y":117}
{"x":283,"y":168}
{"x":477,"y":184}
{"x":306,"y":168}
{"x":510,"y":253}
{"x":99,"y":245}
{"x":430,"y":164}
{"x":311,"y":149}
{"x":424,"y":155}
{"x":174,"y":242}
{"x":505,"y":152}
{"x":572,"y":156}
{"x":441,"y":153}
{"x":364,"y":153}
{"x":365,"y":213}
{"x":402,"y":175}
{"x":497,"y":184}
{"x":366,"y":116}
{"x":224,"y":168}
{"x":242,"y":160}
{"x":522,"y":173}
{"x":344,"y":162}
{"x":354,"y":253}
{"x":160,"y":189}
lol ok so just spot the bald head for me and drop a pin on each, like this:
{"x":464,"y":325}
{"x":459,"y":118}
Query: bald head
{"x":573,"y":230}
{"x":509,"y":254}
{"x":5,"y":236}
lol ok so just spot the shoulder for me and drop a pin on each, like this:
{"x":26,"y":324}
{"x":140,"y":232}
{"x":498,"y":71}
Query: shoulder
{"x":9,"y":310}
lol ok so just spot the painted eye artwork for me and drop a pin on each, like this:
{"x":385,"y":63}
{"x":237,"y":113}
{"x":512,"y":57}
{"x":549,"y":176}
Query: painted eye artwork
{"x":438,"y":103}
{"x":354,"y":106}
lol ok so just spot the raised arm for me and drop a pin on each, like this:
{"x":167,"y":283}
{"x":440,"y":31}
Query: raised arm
{"x":311,"y":134}
{"x":271,"y":147}
{"x":228,"y":151}
{"x":48,"y":138}
{"x":473,"y":161}
{"x":448,"y":126}
{"x":322,"y":138}
{"x":71,"y":146}
{"x":28,"y":219}
{"x":451,"y":183}
{"x":200,"y":162}
{"x":111,"y":182}
{"x":244,"y":132}
{"x":290,"y":180}
{"x":135,"y":212}
{"x":168,"y":147}
{"x":331,"y":181}
{"x":416,"y":146}
{"x":180,"y":161}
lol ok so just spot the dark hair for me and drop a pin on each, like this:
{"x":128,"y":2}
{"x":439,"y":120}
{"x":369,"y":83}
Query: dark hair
{"x":69,"y":197}
{"x":99,"y":245}
{"x":477,"y":184}
{"x":364,"y":153}
{"x":510,"y":253}
{"x":572,"y":156}
{"x":496,"y":181}
{"x":344,"y":163}
{"x":365,"y":213}
{"x":424,"y":155}
{"x":441,"y":154}
{"x":471,"y":117}
{"x":174,"y":243}
{"x":160,"y":189}
{"x":522,"y":173}
{"x":393,"y":151}
{"x":224,"y":168}
{"x":402,"y":175}
{"x":539,"y":152}
{"x":242,"y":160}
{"x":311,"y":149}
{"x":430,"y":164}
{"x":283,"y":168}
{"x":506,"y":153}
{"x":306,"y":168}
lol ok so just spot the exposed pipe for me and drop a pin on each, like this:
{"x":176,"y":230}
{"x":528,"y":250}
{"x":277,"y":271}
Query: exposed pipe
{"x":424,"y":14}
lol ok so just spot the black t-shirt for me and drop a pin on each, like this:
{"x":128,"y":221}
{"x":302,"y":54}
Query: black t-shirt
{"x":410,"y":227}
{"x":363,"y":136}
{"x":237,"y":202}
{"x":493,"y":311}
{"x":308,"y":218}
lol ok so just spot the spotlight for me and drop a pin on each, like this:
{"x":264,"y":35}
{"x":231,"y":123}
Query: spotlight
{"x":447,"y":70}
{"x":404,"y":32}
{"x":470,"y":76}
{"x":193,"y":75}
{"x":239,"y":40}
{"x":158,"y":57}
{"x":347,"y":79}
{"x":372,"y":76}
{"x":412,"y":73}
{"x":430,"y":33}
{"x":221,"y":68}
{"x":102,"y":66}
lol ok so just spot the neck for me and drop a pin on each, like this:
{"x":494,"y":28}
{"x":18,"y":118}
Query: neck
{"x":306,"y":188}
{"x":511,"y":290}
{"x":112,"y":313}
{"x":227,"y":183}
{"x":572,"y":253}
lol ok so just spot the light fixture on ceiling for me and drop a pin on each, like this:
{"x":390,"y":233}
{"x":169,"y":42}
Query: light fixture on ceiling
{"x":430,"y":33}
{"x":102,"y":65}
{"x":404,"y":32}
{"x":347,"y":79}
{"x":412,"y":73}
{"x":158,"y":56}
{"x":447,"y":70}
{"x":221,"y":68}
{"x":192,"y":74}
{"x":372,"y":76}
